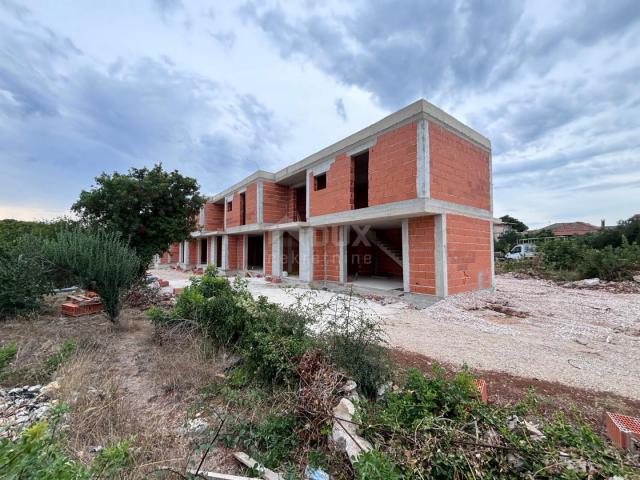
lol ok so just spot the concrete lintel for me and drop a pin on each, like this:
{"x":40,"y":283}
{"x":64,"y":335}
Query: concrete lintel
{"x":361,"y":147}
{"x":440,"y":235}
{"x":285,"y":226}
{"x":406,"y":264}
{"x":321,"y":167}
{"x":251,"y":228}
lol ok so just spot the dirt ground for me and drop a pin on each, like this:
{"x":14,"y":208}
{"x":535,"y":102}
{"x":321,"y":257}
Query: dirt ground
{"x":529,"y":328}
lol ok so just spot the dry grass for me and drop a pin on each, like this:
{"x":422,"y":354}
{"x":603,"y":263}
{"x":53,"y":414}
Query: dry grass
{"x":126,"y":382}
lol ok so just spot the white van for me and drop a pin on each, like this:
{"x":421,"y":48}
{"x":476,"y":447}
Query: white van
{"x":524,"y":250}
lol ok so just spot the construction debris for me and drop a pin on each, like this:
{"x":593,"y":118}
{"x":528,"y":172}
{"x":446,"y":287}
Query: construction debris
{"x":261,"y":469}
{"x":22,"y":406}
{"x":218,"y":476}
{"x":344,"y":433}
{"x":81,"y":304}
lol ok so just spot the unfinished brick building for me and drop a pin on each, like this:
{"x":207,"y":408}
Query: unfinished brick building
{"x":404,"y":204}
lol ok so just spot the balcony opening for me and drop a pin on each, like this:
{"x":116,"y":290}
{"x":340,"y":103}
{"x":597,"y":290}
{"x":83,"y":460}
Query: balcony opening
{"x":203,"y":251}
{"x":243,"y":209}
{"x":301,"y":204}
{"x":361,"y":180}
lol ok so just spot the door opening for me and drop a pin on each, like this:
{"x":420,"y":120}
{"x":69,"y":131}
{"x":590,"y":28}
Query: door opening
{"x":203,"y":251}
{"x":219,"y":252}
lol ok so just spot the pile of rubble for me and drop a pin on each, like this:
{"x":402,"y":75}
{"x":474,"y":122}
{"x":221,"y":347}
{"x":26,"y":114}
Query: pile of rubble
{"x":22,"y":406}
{"x":613,"y":287}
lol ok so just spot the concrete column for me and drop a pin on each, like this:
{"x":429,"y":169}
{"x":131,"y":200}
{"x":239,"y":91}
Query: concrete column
{"x":442,"y":277}
{"x":276,"y":253}
{"x":342,"y":251}
{"x":423,"y":161}
{"x":306,"y":254}
{"x":185,"y":249}
{"x":225,"y":252}
{"x":493,"y":258}
{"x":245,"y":251}
{"x":406,"y":264}
{"x":213,"y":250}
{"x":259,"y":199}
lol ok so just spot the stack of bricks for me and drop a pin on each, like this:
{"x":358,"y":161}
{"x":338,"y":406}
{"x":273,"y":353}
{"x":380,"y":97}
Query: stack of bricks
{"x":79,"y":305}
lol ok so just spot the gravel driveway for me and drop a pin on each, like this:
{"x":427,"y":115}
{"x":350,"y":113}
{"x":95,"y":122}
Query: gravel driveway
{"x":582,"y":338}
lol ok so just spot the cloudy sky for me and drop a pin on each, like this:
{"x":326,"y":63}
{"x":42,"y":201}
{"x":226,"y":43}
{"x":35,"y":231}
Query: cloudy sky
{"x":220,"y":89}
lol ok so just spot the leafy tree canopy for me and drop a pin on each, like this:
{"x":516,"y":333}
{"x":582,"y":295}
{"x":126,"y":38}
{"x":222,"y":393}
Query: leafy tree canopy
{"x":151,"y":208}
{"x":517,"y":225}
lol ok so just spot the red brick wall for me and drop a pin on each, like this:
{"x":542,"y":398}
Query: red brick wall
{"x":422,"y":267}
{"x":275,"y":200}
{"x":251,"y":204}
{"x":172,"y":255}
{"x":331,"y":254}
{"x":194,"y":252}
{"x":233,"y":216}
{"x":468,"y":254}
{"x":213,"y":216}
{"x":236,"y":251}
{"x":267,"y":253}
{"x":392,"y":166}
{"x":338,"y":195}
{"x":459,"y":169}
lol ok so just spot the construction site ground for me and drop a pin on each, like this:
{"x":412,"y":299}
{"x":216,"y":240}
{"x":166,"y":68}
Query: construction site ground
{"x":528,"y":328}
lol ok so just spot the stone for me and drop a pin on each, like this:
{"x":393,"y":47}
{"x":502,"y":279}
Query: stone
{"x":344,"y":433}
{"x":34,"y":389}
{"x":636,"y":278}
{"x":50,"y":389}
{"x":194,"y":426}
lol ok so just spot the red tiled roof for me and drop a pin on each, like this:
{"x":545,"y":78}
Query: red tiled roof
{"x":571,"y":228}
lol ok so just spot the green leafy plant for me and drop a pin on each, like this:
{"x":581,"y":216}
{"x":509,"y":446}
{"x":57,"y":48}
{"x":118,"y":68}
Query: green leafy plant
{"x":25,"y":276}
{"x":100,"y":260}
{"x":374,"y":465}
{"x":7,"y":354}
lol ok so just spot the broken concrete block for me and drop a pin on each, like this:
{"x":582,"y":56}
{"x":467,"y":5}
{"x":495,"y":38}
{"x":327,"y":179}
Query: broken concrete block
{"x":344,"y":433}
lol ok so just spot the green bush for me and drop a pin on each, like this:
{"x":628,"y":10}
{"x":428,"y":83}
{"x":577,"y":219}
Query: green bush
{"x":7,"y":354}
{"x":562,"y":254}
{"x":374,"y":465}
{"x":100,"y":260}
{"x":38,"y":453}
{"x":610,"y":263}
{"x":25,"y":276}
{"x":354,"y":342}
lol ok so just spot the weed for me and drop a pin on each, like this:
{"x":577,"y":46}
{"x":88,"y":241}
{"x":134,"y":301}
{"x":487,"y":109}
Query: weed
{"x":7,"y":354}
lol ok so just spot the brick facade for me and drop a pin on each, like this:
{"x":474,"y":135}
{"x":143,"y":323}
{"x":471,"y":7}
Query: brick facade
{"x":459,"y":169}
{"x":468,"y":254}
{"x":326,"y":254}
{"x":422,"y":265}
{"x":275,"y":203}
{"x":213,"y":217}
{"x":392,"y":166}
{"x":338,"y":194}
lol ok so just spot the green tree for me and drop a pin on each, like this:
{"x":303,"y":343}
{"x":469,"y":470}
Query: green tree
{"x":517,"y":225}
{"x":151,"y":208}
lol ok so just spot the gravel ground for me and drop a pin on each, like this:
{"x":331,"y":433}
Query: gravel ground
{"x":582,"y":338}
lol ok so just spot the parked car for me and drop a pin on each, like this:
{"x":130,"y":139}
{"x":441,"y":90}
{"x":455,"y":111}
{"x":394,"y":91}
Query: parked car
{"x":524,"y":250}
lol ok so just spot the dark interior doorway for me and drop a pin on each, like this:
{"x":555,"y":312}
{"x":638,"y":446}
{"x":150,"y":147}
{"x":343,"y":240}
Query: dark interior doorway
{"x":203,"y":251}
{"x":361,"y":180}
{"x":255,"y":252}
{"x":243,"y":209}
{"x":218,"y":252}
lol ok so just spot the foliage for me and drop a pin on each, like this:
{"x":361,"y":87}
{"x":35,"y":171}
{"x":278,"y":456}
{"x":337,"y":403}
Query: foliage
{"x":517,"y":225}
{"x":39,"y":453}
{"x":435,"y":427}
{"x":561,"y":254}
{"x":7,"y":354}
{"x":100,"y":260}
{"x":12,"y":230}
{"x":53,"y":362}
{"x":614,"y":237}
{"x":25,"y":276}
{"x":270,"y":441}
{"x":151,"y":208}
{"x":354,"y":342}
{"x":374,"y":465}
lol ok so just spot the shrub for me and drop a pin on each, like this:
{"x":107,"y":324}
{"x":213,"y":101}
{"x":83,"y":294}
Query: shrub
{"x":354,"y":342}
{"x":25,"y":276}
{"x":374,"y":465}
{"x":99,"y":259}
{"x":611,"y":263}
{"x":7,"y":354}
{"x":562,"y":254}
{"x":39,"y":453}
